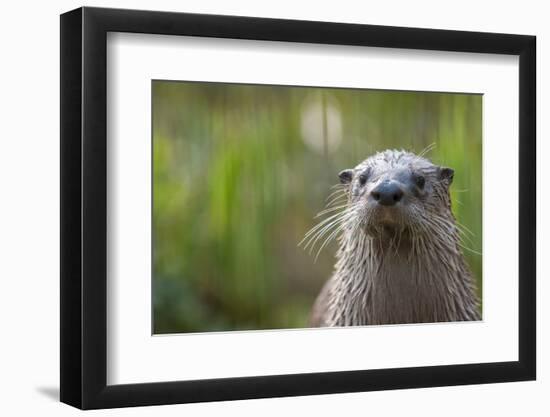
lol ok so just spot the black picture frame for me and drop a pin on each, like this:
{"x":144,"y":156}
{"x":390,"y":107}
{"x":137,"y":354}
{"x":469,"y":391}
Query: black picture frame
{"x":84,"y":207}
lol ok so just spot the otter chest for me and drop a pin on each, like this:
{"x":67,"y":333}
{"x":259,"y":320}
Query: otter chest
{"x":393,"y":290}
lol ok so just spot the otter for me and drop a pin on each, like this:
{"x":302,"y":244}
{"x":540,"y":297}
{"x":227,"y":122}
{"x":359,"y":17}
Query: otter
{"x":400,"y":256}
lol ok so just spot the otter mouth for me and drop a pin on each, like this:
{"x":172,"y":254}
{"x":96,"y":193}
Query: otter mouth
{"x":386,"y":221}
{"x":387,"y":216}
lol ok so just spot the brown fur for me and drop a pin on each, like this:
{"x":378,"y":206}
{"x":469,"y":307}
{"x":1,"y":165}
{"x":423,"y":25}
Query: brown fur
{"x":396,"y":265}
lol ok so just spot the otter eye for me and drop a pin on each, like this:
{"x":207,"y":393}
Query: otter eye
{"x":364,"y":176}
{"x":420,"y":181}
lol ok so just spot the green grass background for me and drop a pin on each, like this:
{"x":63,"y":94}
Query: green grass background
{"x":239,"y":172}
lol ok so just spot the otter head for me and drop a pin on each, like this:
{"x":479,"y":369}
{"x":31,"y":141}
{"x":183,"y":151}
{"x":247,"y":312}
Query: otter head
{"x":396,"y":191}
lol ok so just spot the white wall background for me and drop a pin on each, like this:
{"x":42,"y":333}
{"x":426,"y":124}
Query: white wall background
{"x":29,"y":208}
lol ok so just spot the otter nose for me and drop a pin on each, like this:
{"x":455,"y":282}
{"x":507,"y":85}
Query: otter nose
{"x":387,"y":193}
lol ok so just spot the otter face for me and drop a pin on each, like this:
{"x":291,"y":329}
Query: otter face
{"x":396,"y":191}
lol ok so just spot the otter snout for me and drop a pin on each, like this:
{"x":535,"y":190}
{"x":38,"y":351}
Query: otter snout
{"x":387,"y":193}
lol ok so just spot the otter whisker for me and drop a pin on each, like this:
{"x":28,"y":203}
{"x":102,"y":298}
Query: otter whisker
{"x":464,"y":236}
{"x":465,"y":228}
{"x":337,"y":186}
{"x":321,"y":232}
{"x":427,"y":149}
{"x":310,"y":240}
{"x":327,"y":240}
{"x":470,"y":250}
{"x":336,"y":227}
{"x":336,"y":193}
{"x":320,"y":224}
{"x":329,"y":210}
{"x":337,"y":200}
{"x":456,"y":225}
{"x":342,"y":189}
{"x":323,"y":225}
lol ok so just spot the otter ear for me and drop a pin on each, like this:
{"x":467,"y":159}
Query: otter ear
{"x":446,"y":174}
{"x":345,"y":176}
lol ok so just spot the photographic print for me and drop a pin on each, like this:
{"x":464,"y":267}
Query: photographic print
{"x":326,"y":202}
{"x":278,"y":207}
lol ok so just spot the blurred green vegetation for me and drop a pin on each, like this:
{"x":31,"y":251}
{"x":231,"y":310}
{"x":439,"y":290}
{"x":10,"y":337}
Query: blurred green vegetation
{"x":241,"y":170}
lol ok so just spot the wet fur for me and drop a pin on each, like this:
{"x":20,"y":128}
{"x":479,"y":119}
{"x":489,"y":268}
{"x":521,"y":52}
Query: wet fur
{"x":410,"y":272}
